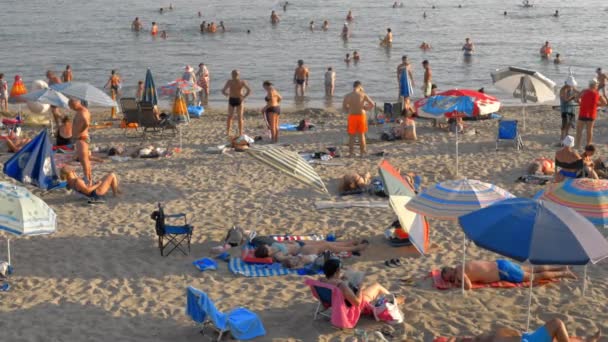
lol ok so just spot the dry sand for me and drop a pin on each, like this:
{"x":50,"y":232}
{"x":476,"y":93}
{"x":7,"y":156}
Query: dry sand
{"x":100,"y":276}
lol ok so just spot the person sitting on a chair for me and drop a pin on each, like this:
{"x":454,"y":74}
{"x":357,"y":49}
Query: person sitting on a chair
{"x":568,"y":160}
{"x":107,"y":182}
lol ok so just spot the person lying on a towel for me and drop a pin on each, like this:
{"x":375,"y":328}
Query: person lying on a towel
{"x":282,"y":251}
{"x":14,"y":143}
{"x":354,"y":181}
{"x":553,"y":330}
{"x":501,"y":270}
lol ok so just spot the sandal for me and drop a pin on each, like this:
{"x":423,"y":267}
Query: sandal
{"x":388,"y":263}
{"x":396,"y":262}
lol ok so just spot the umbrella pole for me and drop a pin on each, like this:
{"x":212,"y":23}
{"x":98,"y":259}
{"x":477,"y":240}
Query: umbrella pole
{"x":464,"y":258}
{"x":530,"y":299}
{"x":585,"y":281}
{"x":523,"y":111}
{"x":8,"y":250}
{"x":457,"y":150}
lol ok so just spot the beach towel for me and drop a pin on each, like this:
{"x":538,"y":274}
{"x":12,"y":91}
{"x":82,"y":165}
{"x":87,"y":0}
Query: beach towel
{"x":288,"y":127}
{"x":238,"y":266}
{"x":441,"y":284}
{"x":319,"y":205}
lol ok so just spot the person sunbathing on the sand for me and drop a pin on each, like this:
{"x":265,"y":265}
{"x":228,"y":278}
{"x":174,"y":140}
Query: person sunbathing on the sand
{"x":501,"y":270}
{"x":569,"y":161}
{"x":552,"y":330}
{"x":356,"y":295}
{"x":14,"y":143}
{"x":281,"y":251}
{"x":107,"y":182}
{"x":354,"y":181}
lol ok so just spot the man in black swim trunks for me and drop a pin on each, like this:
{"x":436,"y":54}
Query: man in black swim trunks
{"x":234,"y":90}
{"x":300,"y":78}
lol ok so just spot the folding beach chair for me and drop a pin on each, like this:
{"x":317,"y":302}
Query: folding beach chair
{"x":172,"y":237}
{"x":508,"y":130}
{"x":130,"y":110}
{"x":333,"y":305}
{"x":240,"y":322}
{"x":150,"y":123}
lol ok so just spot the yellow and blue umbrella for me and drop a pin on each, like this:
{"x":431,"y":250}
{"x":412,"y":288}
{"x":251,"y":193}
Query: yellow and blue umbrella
{"x":149,"y":89}
{"x":588,"y":197}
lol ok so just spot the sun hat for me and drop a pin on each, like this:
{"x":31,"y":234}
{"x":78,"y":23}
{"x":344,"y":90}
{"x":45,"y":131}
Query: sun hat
{"x":568,"y":141}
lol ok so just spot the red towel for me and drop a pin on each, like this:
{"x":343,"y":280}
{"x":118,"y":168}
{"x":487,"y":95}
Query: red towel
{"x":441,"y":284}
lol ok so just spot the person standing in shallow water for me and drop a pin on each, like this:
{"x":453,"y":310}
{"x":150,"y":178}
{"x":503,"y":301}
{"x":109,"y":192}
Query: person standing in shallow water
{"x":66,"y":76}
{"x":234,"y":88}
{"x":300,"y":78}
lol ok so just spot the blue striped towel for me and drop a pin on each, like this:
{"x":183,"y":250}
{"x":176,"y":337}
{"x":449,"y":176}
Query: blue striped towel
{"x":238,"y":266}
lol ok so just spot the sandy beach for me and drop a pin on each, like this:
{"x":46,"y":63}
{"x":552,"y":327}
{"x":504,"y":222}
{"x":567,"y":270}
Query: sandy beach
{"x":100,"y":277}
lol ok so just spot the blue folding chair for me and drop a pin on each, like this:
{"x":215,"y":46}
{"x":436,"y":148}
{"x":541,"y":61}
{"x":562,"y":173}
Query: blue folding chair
{"x":240,"y":322}
{"x":508,"y":130}
{"x":170,"y":236}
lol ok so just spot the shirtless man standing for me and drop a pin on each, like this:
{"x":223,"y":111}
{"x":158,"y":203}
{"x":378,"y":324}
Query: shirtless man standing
{"x":501,"y":270}
{"x":405,"y":65}
{"x":428,"y":78}
{"x":136,"y":25}
{"x":330,"y":82}
{"x":355,"y":104}
{"x":300,"y":78}
{"x":234,"y":90}
{"x":80,"y":131}
{"x":67,"y":74}
{"x":601,"y":81}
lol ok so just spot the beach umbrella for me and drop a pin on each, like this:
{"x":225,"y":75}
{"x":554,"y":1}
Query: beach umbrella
{"x":405,"y":84}
{"x":400,"y":192}
{"x":45,"y":96}
{"x":85,"y":92}
{"x":290,"y":163}
{"x":526,"y":85}
{"x":588,"y":197}
{"x":22,"y":213}
{"x":539,"y":232}
{"x":149,"y":89}
{"x":451,"y":199}
{"x":186,"y":87}
{"x":483,"y":103}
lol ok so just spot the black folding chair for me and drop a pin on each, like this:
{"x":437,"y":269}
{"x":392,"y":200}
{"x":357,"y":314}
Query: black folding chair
{"x":171,"y":237}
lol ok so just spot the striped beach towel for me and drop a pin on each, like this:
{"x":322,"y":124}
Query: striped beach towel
{"x":238,"y":266}
{"x":310,"y":237}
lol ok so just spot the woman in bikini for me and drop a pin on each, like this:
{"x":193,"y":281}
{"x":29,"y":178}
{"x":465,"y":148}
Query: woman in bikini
{"x":107,"y":182}
{"x":202,"y":77}
{"x":272,"y":110}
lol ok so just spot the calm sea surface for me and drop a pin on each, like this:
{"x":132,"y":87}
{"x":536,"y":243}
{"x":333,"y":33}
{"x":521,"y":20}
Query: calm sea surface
{"x":94,"y":36}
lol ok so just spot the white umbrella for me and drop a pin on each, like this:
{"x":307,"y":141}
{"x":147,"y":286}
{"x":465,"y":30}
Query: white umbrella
{"x":85,"y":92}
{"x":22,"y":213}
{"x":47,"y":96}
{"x":526,"y":85}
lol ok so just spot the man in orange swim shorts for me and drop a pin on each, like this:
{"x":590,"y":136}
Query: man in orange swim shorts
{"x":355,"y":104}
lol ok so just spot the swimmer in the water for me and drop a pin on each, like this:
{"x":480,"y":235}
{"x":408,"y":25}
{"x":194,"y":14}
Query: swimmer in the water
{"x":459,"y":6}
{"x":356,"y":56}
{"x":163,"y":34}
{"x":203,"y":26}
{"x":349,"y":16}
{"x":212,"y":27}
{"x":154,"y":29}
{"x":395,"y":4}
{"x":558,"y":59}
{"x":468,"y":48}
{"x":222,"y":26}
{"x":424,"y":15}
{"x":285,"y":6}
{"x":274,"y":17}
{"x":347,"y":59}
{"x":546,"y":50}
{"x":325,"y":25}
{"x":170,"y":6}
{"x":433,"y":7}
{"x":556,"y":14}
{"x":425,"y":46}
{"x":248,"y":31}
{"x":388,"y":39}
{"x":345,"y":32}
{"x":505,"y":13}
{"x":200,"y":14}
{"x":312,"y":25}
{"x":136,"y":25}
{"x":161,"y":10}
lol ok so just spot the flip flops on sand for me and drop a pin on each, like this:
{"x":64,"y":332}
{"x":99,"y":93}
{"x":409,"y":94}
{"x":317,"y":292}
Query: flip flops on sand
{"x":392,"y":263}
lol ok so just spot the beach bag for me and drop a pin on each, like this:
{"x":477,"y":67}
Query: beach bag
{"x":386,"y":310}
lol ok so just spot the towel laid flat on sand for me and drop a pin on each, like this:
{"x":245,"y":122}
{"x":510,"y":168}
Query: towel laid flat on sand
{"x":441,"y":284}
{"x":319,"y":205}
{"x":238,"y":266}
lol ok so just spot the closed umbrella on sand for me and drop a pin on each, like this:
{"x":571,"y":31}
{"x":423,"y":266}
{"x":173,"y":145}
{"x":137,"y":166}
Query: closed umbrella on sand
{"x":526,"y":85}
{"x":150,"y":95}
{"x":289,"y":163}
{"x":540,"y":232}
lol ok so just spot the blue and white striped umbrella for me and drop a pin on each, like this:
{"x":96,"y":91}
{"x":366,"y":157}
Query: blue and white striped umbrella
{"x":47,"y":96}
{"x":454,"y":198}
{"x":85,"y":92}
{"x":149,"y":89}
{"x":405,"y":84}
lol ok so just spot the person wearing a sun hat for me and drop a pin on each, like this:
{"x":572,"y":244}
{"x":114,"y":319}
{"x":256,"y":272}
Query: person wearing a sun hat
{"x":567,"y":98}
{"x":589,"y":100}
{"x":569,"y":162}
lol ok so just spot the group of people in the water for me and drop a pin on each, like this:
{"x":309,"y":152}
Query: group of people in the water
{"x":212,"y":27}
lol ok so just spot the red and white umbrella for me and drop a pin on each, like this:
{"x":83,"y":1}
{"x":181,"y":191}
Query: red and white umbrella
{"x":483,"y":104}
{"x":186,"y":87}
